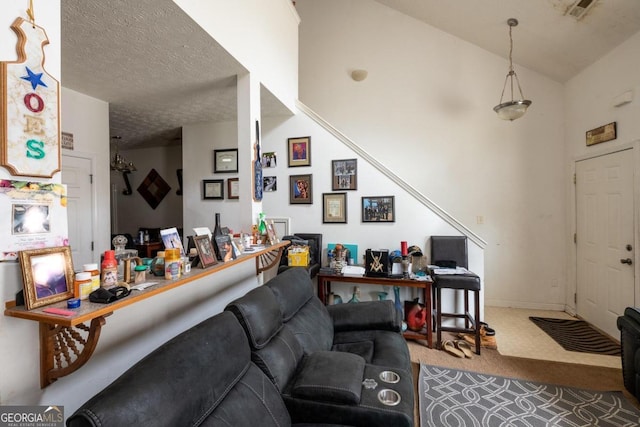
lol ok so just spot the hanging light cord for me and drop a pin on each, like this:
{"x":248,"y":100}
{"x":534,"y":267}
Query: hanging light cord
{"x":511,"y":73}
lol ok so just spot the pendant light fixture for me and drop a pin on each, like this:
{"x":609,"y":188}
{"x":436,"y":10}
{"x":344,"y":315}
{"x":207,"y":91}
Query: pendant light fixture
{"x":515,"y":108}
{"x":119,"y":163}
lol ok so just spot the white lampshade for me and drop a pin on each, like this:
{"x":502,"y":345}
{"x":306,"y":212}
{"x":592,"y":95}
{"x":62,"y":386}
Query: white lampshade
{"x":512,"y":110}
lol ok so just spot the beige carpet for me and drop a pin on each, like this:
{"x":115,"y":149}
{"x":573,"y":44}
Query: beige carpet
{"x":519,"y":337}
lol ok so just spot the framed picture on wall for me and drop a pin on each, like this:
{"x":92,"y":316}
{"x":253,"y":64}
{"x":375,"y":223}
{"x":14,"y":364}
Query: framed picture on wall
{"x":233,"y":188}
{"x":300,"y":189}
{"x":299,"y":151}
{"x":378,"y":209}
{"x":225,"y":161}
{"x":334,"y":208}
{"x":213,"y":188}
{"x":345,"y":174}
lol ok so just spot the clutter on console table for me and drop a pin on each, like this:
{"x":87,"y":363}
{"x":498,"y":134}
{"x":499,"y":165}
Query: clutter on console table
{"x":68,"y":327}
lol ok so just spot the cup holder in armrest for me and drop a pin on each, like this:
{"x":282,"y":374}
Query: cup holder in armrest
{"x":389,"y":377}
{"x":388,"y":397}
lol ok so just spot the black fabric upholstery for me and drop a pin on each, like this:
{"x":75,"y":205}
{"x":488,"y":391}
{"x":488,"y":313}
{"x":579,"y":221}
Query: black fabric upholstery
{"x":379,"y":315}
{"x":314,"y":241}
{"x":330,"y":376}
{"x":449,"y":248}
{"x":383,"y":348}
{"x":629,"y":326}
{"x":204,"y":376}
{"x":292,"y":291}
{"x":259,"y":315}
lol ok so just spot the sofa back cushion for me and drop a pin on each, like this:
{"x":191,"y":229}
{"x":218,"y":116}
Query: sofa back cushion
{"x":194,"y":377}
{"x":274,"y":349}
{"x":302,"y":312}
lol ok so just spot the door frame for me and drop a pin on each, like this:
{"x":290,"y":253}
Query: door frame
{"x":94,"y":193}
{"x":570,"y":305}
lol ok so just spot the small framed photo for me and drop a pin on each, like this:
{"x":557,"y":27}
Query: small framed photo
{"x":205,"y":251}
{"x":233,"y":188}
{"x":213,"y":188}
{"x":272,"y":233}
{"x":225,"y":247}
{"x":269,"y":160}
{"x":378,"y":209}
{"x":345,"y":174}
{"x":225,"y":161}
{"x":47,"y":275}
{"x":269,"y":183}
{"x":334,"y":208}
{"x":299,"y":151}
{"x":300,"y":189}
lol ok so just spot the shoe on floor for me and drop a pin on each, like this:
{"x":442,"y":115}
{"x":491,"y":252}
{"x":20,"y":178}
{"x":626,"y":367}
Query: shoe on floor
{"x":464,"y":347}
{"x":450,"y":348}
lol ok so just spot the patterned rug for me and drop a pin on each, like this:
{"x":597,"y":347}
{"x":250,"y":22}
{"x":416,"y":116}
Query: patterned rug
{"x":577,"y":335}
{"x":454,"y":398}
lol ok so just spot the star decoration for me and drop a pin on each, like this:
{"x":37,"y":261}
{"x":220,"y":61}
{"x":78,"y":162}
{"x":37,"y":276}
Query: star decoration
{"x":35,"y":79}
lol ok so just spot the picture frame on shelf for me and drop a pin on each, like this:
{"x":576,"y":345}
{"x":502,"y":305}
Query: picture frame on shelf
{"x":300,"y":189}
{"x":213,"y":189}
{"x":205,"y":250}
{"x":233,"y":188}
{"x":225,"y":161}
{"x":334,"y":208}
{"x":299,"y":151}
{"x":378,"y":209}
{"x":47,"y":275}
{"x":272,"y":234}
{"x":344,"y":174}
{"x":225,"y":248}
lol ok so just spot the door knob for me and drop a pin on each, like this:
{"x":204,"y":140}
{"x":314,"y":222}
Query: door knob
{"x":626,"y":261}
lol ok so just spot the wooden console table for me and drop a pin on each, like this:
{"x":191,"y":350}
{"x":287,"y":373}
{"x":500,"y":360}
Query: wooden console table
{"x":149,"y":249}
{"x":324,"y":289}
{"x":66,"y":343}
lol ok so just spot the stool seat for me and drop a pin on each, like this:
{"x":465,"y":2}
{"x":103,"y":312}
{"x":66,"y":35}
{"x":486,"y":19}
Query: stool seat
{"x":470,"y":282}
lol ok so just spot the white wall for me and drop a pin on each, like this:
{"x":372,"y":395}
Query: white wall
{"x":260,"y":34}
{"x":133,"y":210}
{"x":425,"y":111}
{"x":589,"y":104}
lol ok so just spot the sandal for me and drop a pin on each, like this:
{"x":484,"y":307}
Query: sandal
{"x":450,"y":348}
{"x":464,"y":347}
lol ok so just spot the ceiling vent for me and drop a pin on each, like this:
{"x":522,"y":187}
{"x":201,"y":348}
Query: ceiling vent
{"x":580,"y":8}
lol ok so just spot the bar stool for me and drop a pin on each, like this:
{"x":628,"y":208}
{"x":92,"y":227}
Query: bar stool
{"x":451,"y":251}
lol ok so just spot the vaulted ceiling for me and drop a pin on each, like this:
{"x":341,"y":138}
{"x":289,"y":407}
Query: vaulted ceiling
{"x":159,"y":70}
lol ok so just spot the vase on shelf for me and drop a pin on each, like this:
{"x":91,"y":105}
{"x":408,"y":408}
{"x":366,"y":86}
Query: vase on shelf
{"x":217,"y":231}
{"x":396,"y":296}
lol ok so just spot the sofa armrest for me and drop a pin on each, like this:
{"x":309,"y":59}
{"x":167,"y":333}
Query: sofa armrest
{"x":369,"y":315}
{"x":330,"y":376}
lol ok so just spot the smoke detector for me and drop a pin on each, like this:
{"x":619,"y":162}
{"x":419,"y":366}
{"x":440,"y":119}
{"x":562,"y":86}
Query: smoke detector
{"x":580,"y":8}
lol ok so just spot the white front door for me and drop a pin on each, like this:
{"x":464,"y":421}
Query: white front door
{"x":605,"y":239}
{"x":76,"y":174}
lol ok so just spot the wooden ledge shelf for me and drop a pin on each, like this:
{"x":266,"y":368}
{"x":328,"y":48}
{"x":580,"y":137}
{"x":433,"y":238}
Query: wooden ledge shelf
{"x":67,"y":343}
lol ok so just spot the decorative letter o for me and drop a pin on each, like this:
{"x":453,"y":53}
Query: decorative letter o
{"x":27,"y":101}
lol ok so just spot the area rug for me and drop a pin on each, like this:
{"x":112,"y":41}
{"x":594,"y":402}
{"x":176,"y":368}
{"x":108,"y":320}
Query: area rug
{"x":455,"y":398}
{"x":577,"y":335}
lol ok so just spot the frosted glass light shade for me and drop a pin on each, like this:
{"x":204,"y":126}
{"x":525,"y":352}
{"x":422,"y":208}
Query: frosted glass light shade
{"x":512,"y":110}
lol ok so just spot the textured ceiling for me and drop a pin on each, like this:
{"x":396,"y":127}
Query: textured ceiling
{"x":159,"y":70}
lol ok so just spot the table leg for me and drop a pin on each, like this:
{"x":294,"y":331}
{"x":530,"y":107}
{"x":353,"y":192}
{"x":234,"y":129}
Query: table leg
{"x":427,"y":306}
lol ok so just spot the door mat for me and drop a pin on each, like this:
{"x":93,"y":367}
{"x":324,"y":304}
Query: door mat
{"x":577,"y":335}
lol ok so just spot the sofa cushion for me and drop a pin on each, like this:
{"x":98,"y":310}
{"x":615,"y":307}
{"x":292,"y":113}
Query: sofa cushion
{"x":292,"y":289}
{"x":180,"y":383}
{"x":381,"y":348}
{"x":330,"y":376}
{"x":366,"y":315}
{"x":280,"y":358}
{"x":259,"y":314}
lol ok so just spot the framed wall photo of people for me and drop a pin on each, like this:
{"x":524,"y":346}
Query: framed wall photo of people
{"x":213,"y":188}
{"x":300,"y":189}
{"x":299,"y":150}
{"x":378,"y":209}
{"x":205,"y":251}
{"x":334,"y":208}
{"x":47,"y":275}
{"x":345,"y":174}
{"x":225,"y":161}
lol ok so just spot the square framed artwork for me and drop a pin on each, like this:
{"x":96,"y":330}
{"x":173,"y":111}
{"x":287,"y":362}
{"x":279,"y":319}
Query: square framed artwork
{"x":378,"y":209}
{"x":233,"y":188}
{"x":205,"y":251}
{"x":269,"y":160}
{"x":334,"y":208}
{"x":300,"y":189}
{"x":153,"y":188}
{"x":299,"y":150}
{"x":225,"y":161}
{"x":213,"y":188}
{"x":269,"y":183}
{"x":47,"y":275}
{"x":344,"y":174}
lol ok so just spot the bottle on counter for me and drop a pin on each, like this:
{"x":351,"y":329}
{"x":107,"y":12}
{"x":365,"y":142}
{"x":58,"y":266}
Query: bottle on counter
{"x":95,"y":275}
{"x":82,"y":285}
{"x":109,"y":270}
{"x":172,"y":263}
{"x":157,"y":265}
